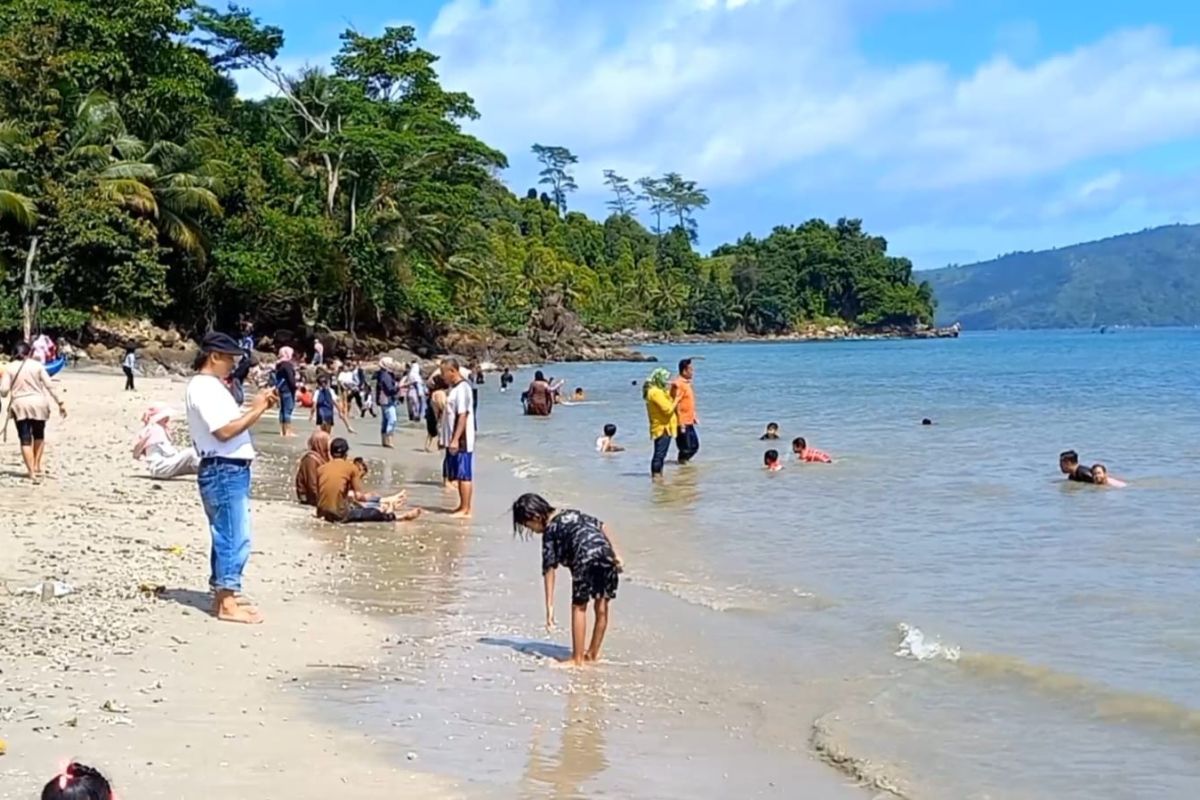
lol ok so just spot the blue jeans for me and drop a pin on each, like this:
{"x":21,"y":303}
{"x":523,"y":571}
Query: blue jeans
{"x":387,"y":420}
{"x":287,"y":404}
{"x":225,"y":492}
{"x":662,"y":445}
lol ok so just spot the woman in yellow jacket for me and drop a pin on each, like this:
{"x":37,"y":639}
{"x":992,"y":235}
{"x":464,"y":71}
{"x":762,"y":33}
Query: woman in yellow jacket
{"x":664,"y":423}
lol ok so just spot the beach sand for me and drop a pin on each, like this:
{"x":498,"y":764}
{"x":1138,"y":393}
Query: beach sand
{"x":148,"y":687}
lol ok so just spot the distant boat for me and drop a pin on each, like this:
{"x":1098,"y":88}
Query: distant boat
{"x":1104,"y":329}
{"x":55,"y":366}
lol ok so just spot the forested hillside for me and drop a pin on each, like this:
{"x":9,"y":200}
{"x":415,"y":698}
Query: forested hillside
{"x":1146,"y":278}
{"x":142,"y":185}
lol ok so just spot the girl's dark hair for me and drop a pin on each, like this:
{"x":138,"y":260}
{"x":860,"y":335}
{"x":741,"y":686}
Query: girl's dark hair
{"x":610,"y":430}
{"x":538,"y":376}
{"x":770,"y":457}
{"x":527,"y":508}
{"x":77,"y":782}
{"x":22,"y":350}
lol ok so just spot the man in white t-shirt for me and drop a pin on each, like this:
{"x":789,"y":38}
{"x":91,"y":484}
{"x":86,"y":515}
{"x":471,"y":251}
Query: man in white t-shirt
{"x":457,"y":436}
{"x":221,"y":435}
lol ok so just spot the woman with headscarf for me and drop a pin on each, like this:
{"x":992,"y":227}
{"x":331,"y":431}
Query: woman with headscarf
{"x":387,"y":394}
{"x":313,"y":459}
{"x":27,"y":383}
{"x":664,"y":423}
{"x":153,"y":443}
{"x":415,"y":392}
{"x":539,"y":397}
{"x":285,"y":383}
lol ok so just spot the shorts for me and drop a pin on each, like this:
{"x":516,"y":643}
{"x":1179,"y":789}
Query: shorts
{"x":325,"y":419}
{"x":595,"y":581}
{"x":458,"y":467}
{"x":287,"y":404}
{"x":387,"y":420}
{"x":431,"y":421}
{"x":30,"y":431}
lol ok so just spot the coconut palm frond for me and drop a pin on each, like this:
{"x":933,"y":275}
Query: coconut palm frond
{"x":129,"y":147}
{"x":18,"y":208}
{"x":189,"y":200}
{"x":129,"y":170}
{"x":133,"y":194}
{"x":181,"y":233}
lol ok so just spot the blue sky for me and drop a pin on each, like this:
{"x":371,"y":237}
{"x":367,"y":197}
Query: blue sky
{"x":958,"y":129}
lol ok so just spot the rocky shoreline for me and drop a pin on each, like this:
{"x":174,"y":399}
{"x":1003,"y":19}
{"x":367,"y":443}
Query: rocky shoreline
{"x":556,"y":335}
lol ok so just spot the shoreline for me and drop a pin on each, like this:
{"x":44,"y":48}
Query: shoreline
{"x":149,"y":687}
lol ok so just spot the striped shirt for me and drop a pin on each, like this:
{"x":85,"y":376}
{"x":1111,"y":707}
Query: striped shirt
{"x":811,"y":455}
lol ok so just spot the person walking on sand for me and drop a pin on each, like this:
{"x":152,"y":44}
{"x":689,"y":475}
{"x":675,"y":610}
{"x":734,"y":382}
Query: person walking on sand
{"x":221,"y":434}
{"x":128,"y":365}
{"x":687,"y":441}
{"x":29,"y":389}
{"x":458,"y":437}
{"x":584,"y":545}
{"x":664,"y":422}
{"x":285,"y":387}
{"x":387,"y":395}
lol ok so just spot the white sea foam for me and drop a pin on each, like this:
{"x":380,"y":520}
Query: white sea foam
{"x":914,"y":645}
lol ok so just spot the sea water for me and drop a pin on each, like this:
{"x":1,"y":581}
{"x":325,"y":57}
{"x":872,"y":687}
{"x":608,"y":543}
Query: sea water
{"x":937,"y":613}
{"x":1000,"y":632}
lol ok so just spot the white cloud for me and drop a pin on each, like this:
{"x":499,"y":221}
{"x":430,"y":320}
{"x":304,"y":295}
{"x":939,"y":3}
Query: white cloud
{"x":729,"y":92}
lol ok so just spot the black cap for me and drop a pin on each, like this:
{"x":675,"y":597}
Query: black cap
{"x":217,"y":342}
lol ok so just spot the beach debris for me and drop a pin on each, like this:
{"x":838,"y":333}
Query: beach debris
{"x":411,"y":756}
{"x":152,"y":589}
{"x":3,"y":747}
{"x":113,"y":707}
{"x":48,"y":590}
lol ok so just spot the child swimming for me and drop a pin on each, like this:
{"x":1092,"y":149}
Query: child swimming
{"x":771,"y":433}
{"x":809,"y":455}
{"x":583,"y":545}
{"x":605,"y":443}
{"x":1100,"y":477}
{"x":771,"y":461}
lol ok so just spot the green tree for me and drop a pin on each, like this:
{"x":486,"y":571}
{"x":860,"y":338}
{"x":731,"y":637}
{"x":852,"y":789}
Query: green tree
{"x":624,"y":200}
{"x":556,"y":164}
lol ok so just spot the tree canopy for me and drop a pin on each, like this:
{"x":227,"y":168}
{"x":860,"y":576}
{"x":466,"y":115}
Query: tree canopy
{"x":352,"y":197}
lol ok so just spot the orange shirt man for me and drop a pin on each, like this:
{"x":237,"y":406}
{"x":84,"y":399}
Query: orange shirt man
{"x":687,"y":441}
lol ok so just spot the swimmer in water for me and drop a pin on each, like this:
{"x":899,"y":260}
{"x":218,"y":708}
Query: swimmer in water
{"x":1100,"y":477}
{"x":809,"y":455}
{"x":771,"y":433}
{"x":771,"y":461}
{"x":578,"y":396}
{"x":927,"y":421}
{"x":605,"y":443}
{"x":1068,"y":464}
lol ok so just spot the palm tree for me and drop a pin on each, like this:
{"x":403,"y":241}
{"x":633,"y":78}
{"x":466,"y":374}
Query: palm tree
{"x":175,"y":185}
{"x":15,"y":205}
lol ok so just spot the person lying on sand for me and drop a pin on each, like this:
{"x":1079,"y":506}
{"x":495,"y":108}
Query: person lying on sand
{"x":341,"y":497}
{"x":1100,"y":477}
{"x":583,"y":545}
{"x":771,"y":461}
{"x":771,"y":433}
{"x":809,"y":455}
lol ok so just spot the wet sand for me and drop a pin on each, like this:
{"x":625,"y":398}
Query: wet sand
{"x":149,"y":688}
{"x":384,"y":649}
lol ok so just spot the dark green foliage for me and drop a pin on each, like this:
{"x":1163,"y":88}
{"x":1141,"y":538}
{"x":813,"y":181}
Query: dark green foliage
{"x":352,"y":199}
{"x":1146,"y":278}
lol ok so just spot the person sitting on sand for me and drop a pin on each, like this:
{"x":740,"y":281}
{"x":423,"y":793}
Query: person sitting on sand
{"x":313,"y":459}
{"x":809,"y":455}
{"x":1100,"y":477}
{"x":304,"y":397}
{"x":78,"y":782}
{"x":606,"y":443}
{"x":341,"y":497}
{"x":771,"y":462}
{"x":584,"y":545}
{"x":578,"y":395}
{"x":1068,"y":464}
{"x":153,"y":443}
{"x":771,"y":433}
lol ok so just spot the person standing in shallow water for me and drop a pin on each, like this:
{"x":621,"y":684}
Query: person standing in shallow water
{"x":458,"y":436}
{"x":285,"y":387}
{"x":687,"y":441}
{"x":664,"y":422}
{"x":221,"y":435}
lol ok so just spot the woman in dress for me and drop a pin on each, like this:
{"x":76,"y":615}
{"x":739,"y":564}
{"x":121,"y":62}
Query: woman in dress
{"x":29,"y":389}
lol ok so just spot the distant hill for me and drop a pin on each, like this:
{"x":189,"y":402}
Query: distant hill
{"x":1146,"y":278}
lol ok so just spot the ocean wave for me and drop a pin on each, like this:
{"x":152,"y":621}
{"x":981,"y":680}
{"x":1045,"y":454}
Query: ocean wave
{"x":732,"y":598}
{"x":522,"y":468}
{"x":1110,"y":704}
{"x":915,"y":646}
{"x":864,"y":771}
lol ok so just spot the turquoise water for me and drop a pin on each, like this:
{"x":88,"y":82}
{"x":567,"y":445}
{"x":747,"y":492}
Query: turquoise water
{"x":1058,"y":652}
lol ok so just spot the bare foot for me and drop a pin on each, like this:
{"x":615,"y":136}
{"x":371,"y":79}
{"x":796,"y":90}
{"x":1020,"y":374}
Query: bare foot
{"x":460,"y":514}
{"x":568,"y":663}
{"x":409,"y":515}
{"x":227,"y":609}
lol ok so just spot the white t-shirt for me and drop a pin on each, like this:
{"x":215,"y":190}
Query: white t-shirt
{"x":348,"y":379}
{"x":211,"y":407}
{"x":458,"y":402}
{"x":130,"y":361}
